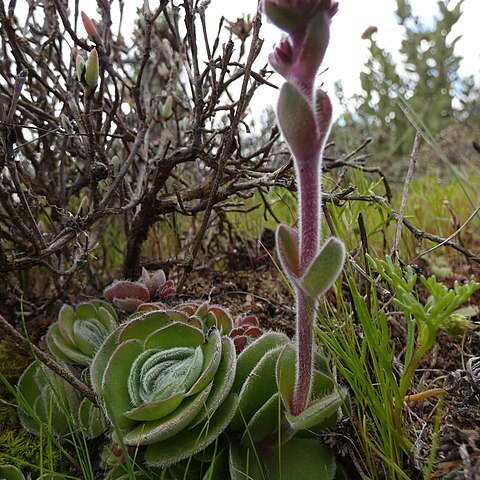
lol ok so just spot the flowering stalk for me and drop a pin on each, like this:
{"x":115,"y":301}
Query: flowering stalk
{"x":304,"y":116}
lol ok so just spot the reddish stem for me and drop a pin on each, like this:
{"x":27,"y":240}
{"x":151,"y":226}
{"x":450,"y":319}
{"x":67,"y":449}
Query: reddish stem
{"x":309,"y":190}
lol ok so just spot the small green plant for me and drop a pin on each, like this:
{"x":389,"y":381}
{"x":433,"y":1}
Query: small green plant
{"x":78,"y":333}
{"x":424,"y":319}
{"x":356,"y":334}
{"x":150,"y":287}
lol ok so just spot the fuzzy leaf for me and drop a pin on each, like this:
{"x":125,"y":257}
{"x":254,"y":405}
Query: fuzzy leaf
{"x":9,"y":472}
{"x":57,"y":352}
{"x":155,"y":410}
{"x":115,"y":381}
{"x":317,"y":411}
{"x":188,"y":442}
{"x":211,"y":359}
{"x":105,"y":316}
{"x":126,"y":289}
{"x":224,"y":321}
{"x":157,"y":430}
{"x":325,"y":269}
{"x":302,"y":458}
{"x":175,"y":335}
{"x":298,"y":122}
{"x":243,"y":460}
{"x":91,"y":419}
{"x":259,"y":387}
{"x":223,"y":381}
{"x":253,"y":353}
{"x":143,"y":326}
{"x":66,"y":319}
{"x":101,"y":359}
{"x":288,"y":248}
{"x":285,"y":373}
{"x":264,"y":423}
{"x":70,"y":351}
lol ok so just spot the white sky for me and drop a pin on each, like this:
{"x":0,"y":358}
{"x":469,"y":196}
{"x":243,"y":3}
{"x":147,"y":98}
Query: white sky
{"x":347,"y":52}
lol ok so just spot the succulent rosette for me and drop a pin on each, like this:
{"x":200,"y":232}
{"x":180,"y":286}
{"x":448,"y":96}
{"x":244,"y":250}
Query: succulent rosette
{"x":165,"y":385}
{"x":79,"y":332}
{"x":49,"y":400}
{"x":45,"y":396}
{"x":150,"y":287}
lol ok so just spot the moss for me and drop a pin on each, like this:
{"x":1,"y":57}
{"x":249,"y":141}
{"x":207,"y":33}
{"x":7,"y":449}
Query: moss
{"x":13,"y":362}
{"x":20,"y":448}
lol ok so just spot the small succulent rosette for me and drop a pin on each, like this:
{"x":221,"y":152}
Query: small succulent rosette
{"x":266,"y":438}
{"x":78,"y":333}
{"x":165,"y":385}
{"x":47,"y":400}
{"x":150,"y":287}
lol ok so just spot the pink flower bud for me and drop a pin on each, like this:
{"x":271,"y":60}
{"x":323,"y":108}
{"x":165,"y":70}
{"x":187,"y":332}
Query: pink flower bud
{"x":91,"y":29}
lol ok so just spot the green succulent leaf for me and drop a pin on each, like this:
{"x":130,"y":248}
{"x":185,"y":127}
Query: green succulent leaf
{"x":10,"y":472}
{"x":78,"y":334}
{"x":285,"y":374}
{"x":211,"y":360}
{"x":301,"y":458}
{"x":145,"y":325}
{"x":264,"y":422}
{"x":66,"y":319}
{"x":114,"y":387}
{"x":288,"y":248}
{"x":155,"y":410}
{"x":260,"y":386}
{"x":45,"y":397}
{"x":317,"y":411}
{"x":245,"y":463}
{"x":189,"y":442}
{"x":148,"y":433}
{"x":325,"y":269}
{"x":175,"y":335}
{"x":91,"y":419}
{"x":249,"y":357}
{"x":224,"y":379}
{"x":101,"y":359}
{"x":297,"y":121}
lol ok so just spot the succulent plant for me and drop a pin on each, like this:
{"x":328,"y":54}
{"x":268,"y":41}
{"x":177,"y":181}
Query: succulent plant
{"x":150,"y":287}
{"x":79,"y":332}
{"x":165,"y":385}
{"x":49,"y":400}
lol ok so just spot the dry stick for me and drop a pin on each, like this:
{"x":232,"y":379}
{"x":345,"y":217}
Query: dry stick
{"x":49,"y":362}
{"x":225,"y":154}
{"x":447,"y":240}
{"x":408,"y":180}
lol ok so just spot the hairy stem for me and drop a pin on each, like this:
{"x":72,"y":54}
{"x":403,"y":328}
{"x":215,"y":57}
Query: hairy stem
{"x":309,"y":188}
